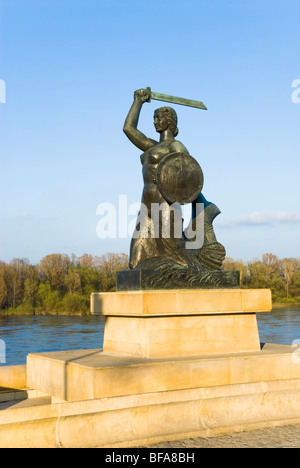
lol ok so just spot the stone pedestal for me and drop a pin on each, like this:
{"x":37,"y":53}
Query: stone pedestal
{"x":178,"y":323}
{"x":175,"y":364}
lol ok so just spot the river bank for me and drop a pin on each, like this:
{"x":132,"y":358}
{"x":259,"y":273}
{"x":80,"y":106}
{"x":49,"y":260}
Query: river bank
{"x":281,"y":305}
{"x":17,"y":313}
{"x":38,"y":311}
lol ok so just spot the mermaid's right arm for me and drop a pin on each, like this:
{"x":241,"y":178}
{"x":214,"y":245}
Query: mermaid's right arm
{"x":130,"y":126}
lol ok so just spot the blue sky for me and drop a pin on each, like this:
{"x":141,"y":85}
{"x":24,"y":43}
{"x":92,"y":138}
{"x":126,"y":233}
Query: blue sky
{"x":71,"y":68}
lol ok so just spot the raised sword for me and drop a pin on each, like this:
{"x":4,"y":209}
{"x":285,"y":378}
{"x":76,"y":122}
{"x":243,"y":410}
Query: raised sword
{"x":175,"y":100}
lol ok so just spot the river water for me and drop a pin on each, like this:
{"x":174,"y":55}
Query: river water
{"x":22,"y":335}
{"x":33,"y":334}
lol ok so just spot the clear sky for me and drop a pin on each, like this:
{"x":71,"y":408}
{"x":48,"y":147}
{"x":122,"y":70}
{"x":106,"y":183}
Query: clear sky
{"x":70,"y":69}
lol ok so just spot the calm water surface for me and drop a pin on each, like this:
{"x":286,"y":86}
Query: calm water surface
{"x":35,"y":334}
{"x":279,"y":326}
{"x":26,"y":334}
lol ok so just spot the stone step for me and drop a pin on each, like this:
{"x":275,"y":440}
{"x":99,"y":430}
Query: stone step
{"x":12,"y":394}
{"x":21,"y":398}
{"x":25,"y":402}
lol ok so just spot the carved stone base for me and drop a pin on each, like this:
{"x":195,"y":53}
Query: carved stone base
{"x":143,"y":280}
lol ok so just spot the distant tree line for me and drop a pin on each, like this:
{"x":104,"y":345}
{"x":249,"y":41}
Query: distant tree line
{"x":63,"y":284}
{"x":282,"y":276}
{"x":58,"y":284}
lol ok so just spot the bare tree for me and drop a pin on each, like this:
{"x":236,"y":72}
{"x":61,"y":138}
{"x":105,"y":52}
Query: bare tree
{"x":112,"y":262}
{"x":288,"y":271}
{"x":73,"y":281}
{"x":3,"y":287}
{"x":54,"y":267}
{"x":14,"y":279}
{"x":86,"y":260}
{"x":271,"y":262}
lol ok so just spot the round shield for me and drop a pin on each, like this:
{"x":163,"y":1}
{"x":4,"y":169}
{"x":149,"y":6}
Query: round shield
{"x":179,"y":178}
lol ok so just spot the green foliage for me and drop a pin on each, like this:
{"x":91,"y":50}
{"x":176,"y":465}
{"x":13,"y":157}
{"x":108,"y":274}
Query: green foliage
{"x":59,"y":284}
{"x":46,"y":298}
{"x":30,"y":292}
{"x":281,"y":276}
{"x":76,"y":303}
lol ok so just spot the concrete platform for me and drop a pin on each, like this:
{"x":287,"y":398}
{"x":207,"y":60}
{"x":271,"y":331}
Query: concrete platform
{"x":227,"y":394}
{"x":62,"y":374}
